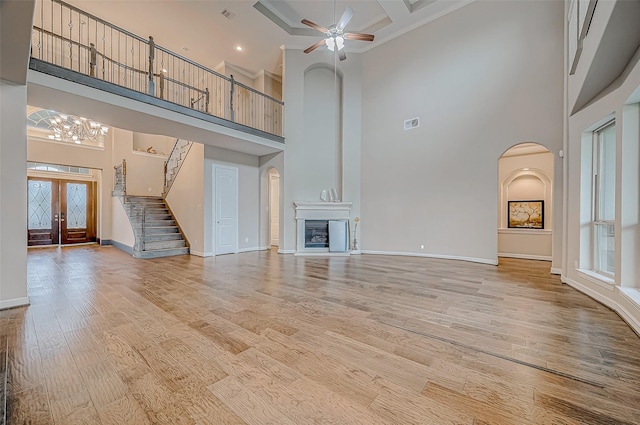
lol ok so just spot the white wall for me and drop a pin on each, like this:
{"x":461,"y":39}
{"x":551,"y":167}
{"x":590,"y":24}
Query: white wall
{"x":249,"y":207}
{"x":122,"y":231}
{"x":161,"y":144}
{"x":269,"y":84}
{"x":186,"y":199}
{"x":481,"y":79}
{"x":322,"y":148}
{"x":145,"y":172}
{"x":302,"y":182}
{"x":13,"y":202}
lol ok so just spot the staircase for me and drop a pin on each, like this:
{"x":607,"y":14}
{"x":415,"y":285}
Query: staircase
{"x":174,"y":163}
{"x":156,"y":232}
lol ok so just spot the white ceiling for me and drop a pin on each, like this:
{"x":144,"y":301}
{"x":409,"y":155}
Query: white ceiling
{"x":197,"y":30}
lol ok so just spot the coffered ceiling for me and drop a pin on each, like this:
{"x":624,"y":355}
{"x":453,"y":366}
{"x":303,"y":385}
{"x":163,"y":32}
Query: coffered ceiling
{"x":209,"y":32}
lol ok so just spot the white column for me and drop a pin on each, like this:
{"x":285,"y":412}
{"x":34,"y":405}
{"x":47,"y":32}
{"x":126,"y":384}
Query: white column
{"x":627,"y":187}
{"x":13,"y":195}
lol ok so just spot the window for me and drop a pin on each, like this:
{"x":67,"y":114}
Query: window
{"x":39,"y":166}
{"x":604,"y":186}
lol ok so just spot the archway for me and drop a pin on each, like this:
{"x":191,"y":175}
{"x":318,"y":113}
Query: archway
{"x":525,"y":226}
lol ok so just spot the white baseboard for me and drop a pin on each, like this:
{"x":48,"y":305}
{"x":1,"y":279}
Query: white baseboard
{"x":556,"y":270}
{"x":633,"y":320}
{"x":631,"y":312}
{"x":201,"y":254}
{"x":322,"y":254}
{"x":525,"y":256}
{"x":255,"y":248}
{"x":15,"y":302}
{"x":286,"y":251}
{"x":444,"y":257}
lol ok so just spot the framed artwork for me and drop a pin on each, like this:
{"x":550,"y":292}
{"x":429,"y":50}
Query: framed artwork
{"x":525,"y":214}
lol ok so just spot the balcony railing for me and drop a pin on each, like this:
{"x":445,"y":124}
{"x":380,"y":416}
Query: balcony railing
{"x":68,"y":37}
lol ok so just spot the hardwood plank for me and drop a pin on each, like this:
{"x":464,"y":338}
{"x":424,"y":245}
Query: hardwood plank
{"x":29,"y":407}
{"x":124,"y":410}
{"x":250,"y":407}
{"x":265,"y":338}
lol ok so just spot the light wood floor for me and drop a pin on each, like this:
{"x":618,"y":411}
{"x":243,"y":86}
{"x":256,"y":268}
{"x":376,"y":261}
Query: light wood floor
{"x":261,"y":338}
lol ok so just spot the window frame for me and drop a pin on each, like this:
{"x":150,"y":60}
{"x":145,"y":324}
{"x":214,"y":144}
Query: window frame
{"x":597,"y":222}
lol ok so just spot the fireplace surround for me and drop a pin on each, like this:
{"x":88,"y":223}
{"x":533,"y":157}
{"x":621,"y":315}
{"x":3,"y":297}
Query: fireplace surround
{"x":313,"y":226}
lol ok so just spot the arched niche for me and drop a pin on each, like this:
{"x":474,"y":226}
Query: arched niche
{"x":526,"y":184}
{"x":525,"y":174}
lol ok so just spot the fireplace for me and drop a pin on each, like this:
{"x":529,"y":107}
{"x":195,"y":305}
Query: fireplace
{"x":316,"y":233}
{"x":323,"y":228}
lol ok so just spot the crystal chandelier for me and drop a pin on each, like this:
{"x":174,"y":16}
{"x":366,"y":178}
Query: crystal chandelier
{"x":69,"y":128}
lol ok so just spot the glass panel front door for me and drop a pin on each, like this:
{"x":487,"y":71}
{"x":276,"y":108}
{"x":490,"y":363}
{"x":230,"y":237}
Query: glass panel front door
{"x":60,"y":212}
{"x":42,"y":220}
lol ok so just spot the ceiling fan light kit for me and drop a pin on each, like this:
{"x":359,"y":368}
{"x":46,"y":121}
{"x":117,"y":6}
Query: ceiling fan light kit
{"x":335,"y":35}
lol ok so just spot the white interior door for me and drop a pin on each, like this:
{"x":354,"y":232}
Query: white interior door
{"x":226,"y":209}
{"x":274,"y":208}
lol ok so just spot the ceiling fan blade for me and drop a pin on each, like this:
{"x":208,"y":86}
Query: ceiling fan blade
{"x":342,"y":55}
{"x":358,"y":36}
{"x":344,"y":20}
{"x":314,"y":25}
{"x":315,"y":46}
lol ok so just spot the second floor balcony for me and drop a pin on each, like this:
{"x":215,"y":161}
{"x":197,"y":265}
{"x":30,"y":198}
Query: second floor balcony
{"x":70,"y":43}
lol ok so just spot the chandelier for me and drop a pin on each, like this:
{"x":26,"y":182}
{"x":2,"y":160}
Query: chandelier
{"x":69,"y":128}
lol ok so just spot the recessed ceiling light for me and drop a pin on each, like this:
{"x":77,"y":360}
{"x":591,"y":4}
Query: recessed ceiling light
{"x":239,"y":48}
{"x":186,"y":49}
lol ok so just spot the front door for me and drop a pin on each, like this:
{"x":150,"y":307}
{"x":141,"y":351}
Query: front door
{"x":60,"y":212}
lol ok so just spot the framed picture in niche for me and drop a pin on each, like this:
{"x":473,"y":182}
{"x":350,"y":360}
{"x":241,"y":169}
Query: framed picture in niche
{"x":525,"y":214}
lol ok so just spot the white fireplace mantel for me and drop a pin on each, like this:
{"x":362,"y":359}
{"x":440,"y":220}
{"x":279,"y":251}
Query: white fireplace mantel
{"x":318,"y":210}
{"x":307,"y":210}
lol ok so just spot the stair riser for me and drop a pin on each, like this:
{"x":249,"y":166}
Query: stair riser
{"x":150,"y":246}
{"x":156,"y":230}
{"x":157,"y":223}
{"x":161,"y":253}
{"x":162,"y":237}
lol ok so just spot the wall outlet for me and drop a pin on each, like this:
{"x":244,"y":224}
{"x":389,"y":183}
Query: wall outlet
{"x":421,"y":246}
{"x":575,"y":264}
{"x":149,"y":190}
{"x":246,"y":239}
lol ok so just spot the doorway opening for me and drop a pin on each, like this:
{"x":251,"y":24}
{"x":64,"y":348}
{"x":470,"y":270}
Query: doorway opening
{"x":274,"y":207}
{"x":525,"y":227}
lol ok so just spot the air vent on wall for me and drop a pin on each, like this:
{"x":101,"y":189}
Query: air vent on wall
{"x":227,"y":14}
{"x":412,"y":123}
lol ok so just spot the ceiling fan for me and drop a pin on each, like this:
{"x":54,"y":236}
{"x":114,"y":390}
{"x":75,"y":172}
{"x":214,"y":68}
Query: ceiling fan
{"x":335,"y":35}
